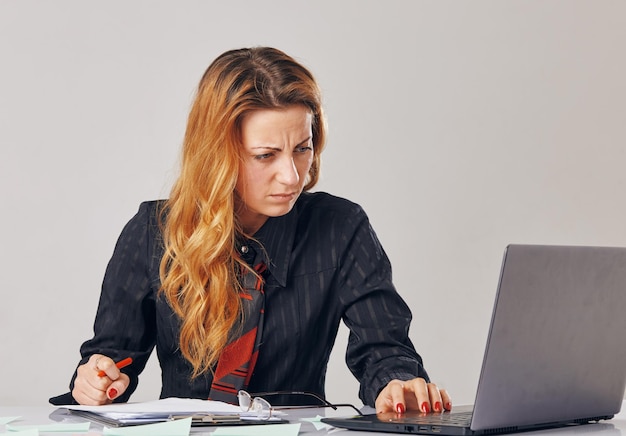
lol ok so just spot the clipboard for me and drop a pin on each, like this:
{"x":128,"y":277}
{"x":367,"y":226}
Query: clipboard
{"x":198,"y":419}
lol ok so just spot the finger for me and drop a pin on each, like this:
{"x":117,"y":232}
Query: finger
{"x":382,"y":404}
{"x":391,"y":398}
{"x":105,"y":366}
{"x":118,"y":387}
{"x":90,"y":396}
{"x":434,"y":396}
{"x":94,"y":361}
{"x":90,"y":372}
{"x":420,"y":393}
{"x":445,"y":398}
{"x":396,"y":391}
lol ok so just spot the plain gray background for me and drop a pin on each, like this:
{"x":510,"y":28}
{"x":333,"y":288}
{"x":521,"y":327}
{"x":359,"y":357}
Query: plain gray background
{"x":460,"y":127}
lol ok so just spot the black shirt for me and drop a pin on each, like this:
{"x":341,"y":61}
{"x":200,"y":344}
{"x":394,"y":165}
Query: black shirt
{"x":325,"y":264}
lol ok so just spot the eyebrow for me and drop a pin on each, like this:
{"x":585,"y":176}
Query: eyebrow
{"x":267,"y":147}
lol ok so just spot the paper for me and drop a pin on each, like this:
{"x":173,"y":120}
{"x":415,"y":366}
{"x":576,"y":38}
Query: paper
{"x":6,"y":419}
{"x":319,"y":425}
{"x":162,"y":410}
{"x":178,"y":427}
{"x":80,"y":427}
{"x":168,"y":405}
{"x":259,"y":430}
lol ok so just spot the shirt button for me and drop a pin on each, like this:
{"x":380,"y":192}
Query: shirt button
{"x":244,"y":249}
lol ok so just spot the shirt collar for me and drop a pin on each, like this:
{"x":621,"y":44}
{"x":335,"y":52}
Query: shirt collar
{"x":277,"y":236}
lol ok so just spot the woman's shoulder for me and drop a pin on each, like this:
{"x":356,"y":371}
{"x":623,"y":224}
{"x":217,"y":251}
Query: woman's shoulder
{"x":328,"y":203}
{"x":150,"y":210}
{"x":147,"y":218}
{"x":152,"y":206}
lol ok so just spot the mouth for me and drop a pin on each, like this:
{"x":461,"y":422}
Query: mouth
{"x":284,"y":196}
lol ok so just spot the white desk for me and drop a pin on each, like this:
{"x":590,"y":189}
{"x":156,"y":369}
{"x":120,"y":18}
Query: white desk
{"x":38,"y":415}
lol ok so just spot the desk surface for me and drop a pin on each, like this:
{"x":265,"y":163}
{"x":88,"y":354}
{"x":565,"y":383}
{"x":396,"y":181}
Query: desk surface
{"x":38,"y":415}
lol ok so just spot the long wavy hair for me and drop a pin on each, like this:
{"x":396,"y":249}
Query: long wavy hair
{"x":201,"y":269}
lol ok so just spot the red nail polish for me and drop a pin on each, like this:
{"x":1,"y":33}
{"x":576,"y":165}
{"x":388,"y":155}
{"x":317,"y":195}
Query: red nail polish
{"x":448,"y":406}
{"x":425,"y":407}
{"x":112,"y":393}
{"x":399,"y":408}
{"x":438,"y":406}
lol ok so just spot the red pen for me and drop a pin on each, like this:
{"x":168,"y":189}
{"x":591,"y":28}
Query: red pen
{"x":121,"y":364}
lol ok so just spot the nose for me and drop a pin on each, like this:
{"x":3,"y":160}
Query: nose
{"x":287,"y":172}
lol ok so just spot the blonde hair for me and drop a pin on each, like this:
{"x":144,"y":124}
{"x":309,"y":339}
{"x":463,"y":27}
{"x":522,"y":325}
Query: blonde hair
{"x":200,"y":269}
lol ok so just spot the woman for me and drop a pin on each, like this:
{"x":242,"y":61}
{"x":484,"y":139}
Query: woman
{"x":241,"y":277}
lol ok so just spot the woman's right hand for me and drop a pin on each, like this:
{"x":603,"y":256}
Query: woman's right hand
{"x":92,"y":390}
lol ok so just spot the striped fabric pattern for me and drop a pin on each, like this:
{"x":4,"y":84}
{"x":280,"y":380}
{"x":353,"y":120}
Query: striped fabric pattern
{"x":325,"y":266}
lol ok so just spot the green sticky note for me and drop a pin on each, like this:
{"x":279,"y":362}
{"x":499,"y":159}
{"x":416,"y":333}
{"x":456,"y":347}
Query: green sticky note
{"x":31,"y":432}
{"x":6,"y":419}
{"x":316,"y":422}
{"x":80,"y":427}
{"x":177,"y":427}
{"x":259,"y":430}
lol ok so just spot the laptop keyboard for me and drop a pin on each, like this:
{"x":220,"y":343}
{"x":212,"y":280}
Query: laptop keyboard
{"x":458,"y":419}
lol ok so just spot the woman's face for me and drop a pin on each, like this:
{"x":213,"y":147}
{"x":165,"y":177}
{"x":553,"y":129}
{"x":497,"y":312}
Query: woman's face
{"x":277,"y":155}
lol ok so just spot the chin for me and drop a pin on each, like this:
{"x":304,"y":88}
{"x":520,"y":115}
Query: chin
{"x":279,"y":211}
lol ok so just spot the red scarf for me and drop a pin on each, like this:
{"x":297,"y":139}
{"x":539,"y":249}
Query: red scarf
{"x":236,"y":363}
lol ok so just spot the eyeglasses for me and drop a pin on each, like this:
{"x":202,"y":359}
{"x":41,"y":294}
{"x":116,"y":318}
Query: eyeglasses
{"x":263,"y":409}
{"x":259,"y":406}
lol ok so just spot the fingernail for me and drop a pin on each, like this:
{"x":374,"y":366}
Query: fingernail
{"x":112,"y":393}
{"x":400,"y":408}
{"x":425,"y":407}
{"x":438,"y":406}
{"x":449,"y":405}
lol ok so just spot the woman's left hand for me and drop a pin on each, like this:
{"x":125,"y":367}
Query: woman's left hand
{"x":412,"y":395}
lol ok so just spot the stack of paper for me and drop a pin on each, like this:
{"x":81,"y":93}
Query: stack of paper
{"x":204,"y":412}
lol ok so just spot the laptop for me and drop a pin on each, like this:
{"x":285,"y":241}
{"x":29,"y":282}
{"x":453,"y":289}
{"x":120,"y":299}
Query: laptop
{"x":556,"y":348}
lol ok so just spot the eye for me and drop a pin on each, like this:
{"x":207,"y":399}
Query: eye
{"x":303,"y":148}
{"x":263,"y":156}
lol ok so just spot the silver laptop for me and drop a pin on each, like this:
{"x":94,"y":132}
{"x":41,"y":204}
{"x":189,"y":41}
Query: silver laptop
{"x":556,"y":349}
